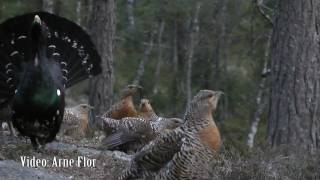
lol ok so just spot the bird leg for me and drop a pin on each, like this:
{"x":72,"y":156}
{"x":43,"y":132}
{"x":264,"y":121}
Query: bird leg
{"x":42,"y":148}
{"x":42,"y":144}
{"x":34,"y":143}
{"x":12,"y":131}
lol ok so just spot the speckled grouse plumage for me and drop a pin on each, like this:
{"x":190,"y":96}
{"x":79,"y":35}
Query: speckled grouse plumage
{"x":40,"y":55}
{"x":146,"y":111}
{"x":125,"y":107}
{"x":185,"y":152}
{"x":131,"y":134}
{"x":145,"y":128}
{"x":76,"y":120}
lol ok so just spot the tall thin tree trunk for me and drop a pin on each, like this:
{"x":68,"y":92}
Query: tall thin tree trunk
{"x":87,"y":11}
{"x":193,"y":41}
{"x":160,"y":60}
{"x":295,"y":63}
{"x":260,"y":98}
{"x":175,"y":58}
{"x":1,"y":9}
{"x":57,"y":7}
{"x":145,"y":59}
{"x":48,"y":5}
{"x":130,"y":13}
{"x":102,"y":28}
{"x":223,"y":47}
{"x":78,"y":11}
{"x":52,"y":6}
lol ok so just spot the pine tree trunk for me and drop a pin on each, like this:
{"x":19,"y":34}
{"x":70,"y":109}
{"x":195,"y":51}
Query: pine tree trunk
{"x":193,"y":41}
{"x":295,"y":64}
{"x":102,"y":29}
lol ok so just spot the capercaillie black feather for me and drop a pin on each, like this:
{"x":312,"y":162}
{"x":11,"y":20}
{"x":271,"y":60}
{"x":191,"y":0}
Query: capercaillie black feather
{"x":40,"y":55}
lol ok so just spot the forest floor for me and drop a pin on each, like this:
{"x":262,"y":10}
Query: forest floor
{"x":13,"y":150}
{"x":229,"y":163}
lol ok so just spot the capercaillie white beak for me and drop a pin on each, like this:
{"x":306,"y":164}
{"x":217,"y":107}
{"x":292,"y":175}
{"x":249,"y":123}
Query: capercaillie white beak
{"x":37,"y":19}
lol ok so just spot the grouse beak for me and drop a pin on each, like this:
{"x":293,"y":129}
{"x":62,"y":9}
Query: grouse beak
{"x":37,"y":20}
{"x":139,"y":87}
{"x":219,"y":93}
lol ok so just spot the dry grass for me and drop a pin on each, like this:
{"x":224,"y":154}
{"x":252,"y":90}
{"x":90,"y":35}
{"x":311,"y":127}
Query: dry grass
{"x":230,"y":163}
{"x":280,"y":163}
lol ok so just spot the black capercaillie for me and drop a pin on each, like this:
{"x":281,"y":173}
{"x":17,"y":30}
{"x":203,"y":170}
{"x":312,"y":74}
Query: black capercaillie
{"x":40,"y":55}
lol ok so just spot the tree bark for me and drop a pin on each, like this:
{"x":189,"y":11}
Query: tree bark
{"x":193,"y":41}
{"x":295,"y":63}
{"x":102,"y":28}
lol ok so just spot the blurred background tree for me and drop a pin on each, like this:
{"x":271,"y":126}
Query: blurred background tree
{"x":174,"y":48}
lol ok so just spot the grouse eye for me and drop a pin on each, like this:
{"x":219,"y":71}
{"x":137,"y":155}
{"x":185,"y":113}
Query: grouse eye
{"x":210,"y":95}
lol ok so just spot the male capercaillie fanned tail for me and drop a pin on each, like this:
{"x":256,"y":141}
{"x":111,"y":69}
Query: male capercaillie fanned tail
{"x":40,"y":55}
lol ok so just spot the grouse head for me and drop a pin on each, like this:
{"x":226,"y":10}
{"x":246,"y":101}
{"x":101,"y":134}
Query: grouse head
{"x":145,"y":106}
{"x":172,"y":123}
{"x":82,"y":109}
{"x":38,"y":38}
{"x":203,"y":104}
{"x":130,"y":90}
